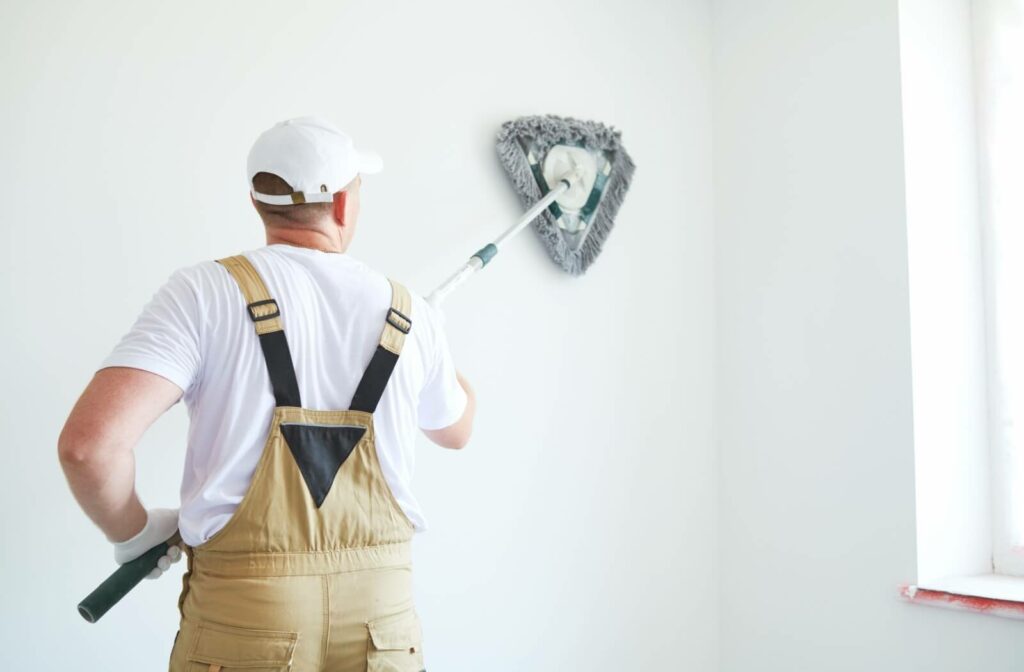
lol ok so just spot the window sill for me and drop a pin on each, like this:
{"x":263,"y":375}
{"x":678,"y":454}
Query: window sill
{"x":992,"y":594}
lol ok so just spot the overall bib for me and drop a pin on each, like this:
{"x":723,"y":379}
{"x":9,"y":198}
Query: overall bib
{"x":313,"y":570}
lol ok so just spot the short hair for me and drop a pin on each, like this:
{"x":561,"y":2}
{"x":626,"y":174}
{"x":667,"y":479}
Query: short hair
{"x":299,"y":215}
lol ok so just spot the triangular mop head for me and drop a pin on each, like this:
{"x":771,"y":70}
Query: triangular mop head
{"x":537,"y":151}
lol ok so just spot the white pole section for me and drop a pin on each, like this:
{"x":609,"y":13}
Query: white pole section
{"x":487,"y":252}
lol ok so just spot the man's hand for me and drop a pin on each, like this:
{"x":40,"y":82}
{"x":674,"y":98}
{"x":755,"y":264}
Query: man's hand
{"x":160,"y":525}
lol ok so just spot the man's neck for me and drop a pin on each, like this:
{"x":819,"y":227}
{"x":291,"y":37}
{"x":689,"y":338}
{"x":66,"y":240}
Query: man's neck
{"x":309,"y":238}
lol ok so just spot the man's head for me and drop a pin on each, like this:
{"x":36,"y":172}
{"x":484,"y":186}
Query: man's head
{"x":304,"y":178}
{"x":340,"y":213}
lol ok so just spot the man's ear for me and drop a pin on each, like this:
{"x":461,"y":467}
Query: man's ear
{"x":339,"y":207}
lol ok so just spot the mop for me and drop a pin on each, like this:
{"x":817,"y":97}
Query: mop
{"x":572,"y":175}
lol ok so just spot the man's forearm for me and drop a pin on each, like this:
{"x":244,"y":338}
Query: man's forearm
{"x":103,"y":483}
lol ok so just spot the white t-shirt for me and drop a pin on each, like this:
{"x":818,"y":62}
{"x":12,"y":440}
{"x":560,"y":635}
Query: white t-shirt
{"x":196,"y":332}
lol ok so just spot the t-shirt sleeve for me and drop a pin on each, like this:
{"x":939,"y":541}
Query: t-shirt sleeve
{"x":442,"y":400}
{"x":165,"y":338}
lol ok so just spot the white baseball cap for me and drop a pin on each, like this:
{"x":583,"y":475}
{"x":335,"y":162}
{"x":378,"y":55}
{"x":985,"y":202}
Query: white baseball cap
{"x":312,"y":156}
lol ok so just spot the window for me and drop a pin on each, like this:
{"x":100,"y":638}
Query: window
{"x":999,"y":90}
{"x":962,"y":77}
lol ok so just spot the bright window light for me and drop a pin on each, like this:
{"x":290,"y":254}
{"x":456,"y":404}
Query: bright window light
{"x":999,"y":88}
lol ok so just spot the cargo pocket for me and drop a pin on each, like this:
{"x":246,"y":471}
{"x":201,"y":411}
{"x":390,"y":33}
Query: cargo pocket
{"x":396,"y":643}
{"x":222,"y":648}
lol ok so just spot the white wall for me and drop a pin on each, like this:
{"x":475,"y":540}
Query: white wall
{"x":576,"y":531}
{"x":813,"y":406}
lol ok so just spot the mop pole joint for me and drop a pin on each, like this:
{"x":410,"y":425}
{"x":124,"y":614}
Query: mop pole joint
{"x":486,"y":253}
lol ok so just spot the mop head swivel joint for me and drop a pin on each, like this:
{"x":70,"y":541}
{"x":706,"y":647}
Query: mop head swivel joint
{"x":542,"y":152}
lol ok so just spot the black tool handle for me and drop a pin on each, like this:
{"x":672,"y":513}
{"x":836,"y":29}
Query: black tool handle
{"x":124,"y":578}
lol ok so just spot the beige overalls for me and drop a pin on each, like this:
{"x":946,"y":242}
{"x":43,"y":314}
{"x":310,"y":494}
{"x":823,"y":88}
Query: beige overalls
{"x":313,"y":570}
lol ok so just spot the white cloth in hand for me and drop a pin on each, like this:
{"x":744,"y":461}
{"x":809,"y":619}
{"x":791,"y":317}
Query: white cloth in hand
{"x":160,"y":526}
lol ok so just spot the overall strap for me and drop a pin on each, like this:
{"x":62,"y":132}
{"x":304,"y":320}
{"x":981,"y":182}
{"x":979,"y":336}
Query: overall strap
{"x":396,"y":326}
{"x":266,"y":316}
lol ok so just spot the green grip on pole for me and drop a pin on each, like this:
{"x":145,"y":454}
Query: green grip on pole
{"x":487,"y":253}
{"x":120,"y":583}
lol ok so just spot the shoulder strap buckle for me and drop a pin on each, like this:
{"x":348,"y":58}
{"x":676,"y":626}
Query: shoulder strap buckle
{"x":399,"y":320}
{"x":263,"y":310}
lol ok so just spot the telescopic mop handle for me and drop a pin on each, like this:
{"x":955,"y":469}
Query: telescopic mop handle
{"x":482,"y":257}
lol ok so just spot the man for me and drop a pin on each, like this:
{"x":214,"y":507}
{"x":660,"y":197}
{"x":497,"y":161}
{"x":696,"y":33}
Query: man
{"x":306,"y":375}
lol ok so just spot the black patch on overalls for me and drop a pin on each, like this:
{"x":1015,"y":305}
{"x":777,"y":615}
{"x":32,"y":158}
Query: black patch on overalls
{"x":319,"y":452}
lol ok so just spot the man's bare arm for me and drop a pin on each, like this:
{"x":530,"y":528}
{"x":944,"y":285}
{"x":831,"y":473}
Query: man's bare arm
{"x":96,"y":446}
{"x":456,"y":435}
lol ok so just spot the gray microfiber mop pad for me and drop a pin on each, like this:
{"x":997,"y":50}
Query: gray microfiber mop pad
{"x":543,"y":132}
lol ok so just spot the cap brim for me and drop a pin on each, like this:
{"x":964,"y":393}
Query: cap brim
{"x":369,"y":162}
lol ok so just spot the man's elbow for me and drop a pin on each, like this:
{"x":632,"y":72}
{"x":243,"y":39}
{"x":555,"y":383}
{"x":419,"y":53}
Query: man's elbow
{"x":71,"y":450}
{"x":455,"y":437}
{"x":459,"y":442}
{"x":77,"y":447}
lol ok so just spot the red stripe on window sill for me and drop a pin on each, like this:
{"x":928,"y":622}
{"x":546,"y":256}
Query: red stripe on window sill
{"x":981,"y":605}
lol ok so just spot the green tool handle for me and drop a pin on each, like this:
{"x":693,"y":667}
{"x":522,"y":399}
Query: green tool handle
{"x":124,"y":578}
